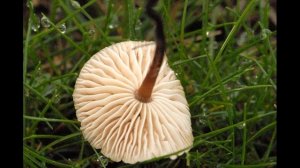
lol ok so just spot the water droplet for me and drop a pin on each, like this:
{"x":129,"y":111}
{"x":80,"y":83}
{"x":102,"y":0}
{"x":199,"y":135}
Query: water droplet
{"x":37,"y":69}
{"x":203,"y":116}
{"x":242,"y":39}
{"x":27,"y":94}
{"x":56,"y":98}
{"x":45,"y":22}
{"x":62,"y":28}
{"x":103,"y":161}
{"x":265,"y":33}
{"x":178,"y":74}
{"x":202,"y":121}
{"x":207,"y":33}
{"x":35,"y":28}
{"x":241,"y":126}
{"x":138,"y":25}
{"x":75,"y":4}
{"x":91,"y":32}
{"x":204,"y":109}
{"x":35,"y":20}
{"x":29,"y":4}
{"x":111,"y":26}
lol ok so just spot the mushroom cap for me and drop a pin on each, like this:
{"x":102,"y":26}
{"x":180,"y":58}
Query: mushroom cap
{"x":113,"y":120}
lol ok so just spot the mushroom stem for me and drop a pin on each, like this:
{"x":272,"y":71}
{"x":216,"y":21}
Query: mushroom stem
{"x":144,"y":92}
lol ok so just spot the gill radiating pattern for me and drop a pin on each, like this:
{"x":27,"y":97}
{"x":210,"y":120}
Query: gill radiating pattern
{"x":121,"y":126}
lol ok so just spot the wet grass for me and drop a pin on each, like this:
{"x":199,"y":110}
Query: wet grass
{"x":224,"y":54}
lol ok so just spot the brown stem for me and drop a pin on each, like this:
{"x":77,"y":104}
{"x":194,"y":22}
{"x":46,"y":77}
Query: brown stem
{"x":144,"y":92}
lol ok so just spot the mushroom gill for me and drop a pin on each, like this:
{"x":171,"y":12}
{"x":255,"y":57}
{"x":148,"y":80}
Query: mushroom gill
{"x":114,"y":120}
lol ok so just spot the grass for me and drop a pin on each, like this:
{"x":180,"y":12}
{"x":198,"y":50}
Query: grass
{"x":223,"y":53}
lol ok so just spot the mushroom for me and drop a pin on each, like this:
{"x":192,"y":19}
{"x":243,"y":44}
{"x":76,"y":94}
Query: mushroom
{"x":122,"y":114}
{"x":130,"y":109}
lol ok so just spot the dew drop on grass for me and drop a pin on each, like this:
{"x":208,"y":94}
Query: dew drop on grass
{"x":103,"y":161}
{"x":35,"y":20}
{"x":138,"y":25}
{"x":62,"y":28}
{"x":113,"y":23}
{"x":91,"y":32}
{"x":242,"y":39}
{"x":265,"y":33}
{"x":45,"y":22}
{"x":204,"y":114}
{"x":241,"y":126}
{"x":233,"y":95}
{"x":35,"y":28}
{"x":29,"y":4}
{"x":75,"y":4}
{"x":178,"y":74}
{"x":37,"y":70}
{"x":202,"y":121}
{"x":26,"y":92}
{"x":111,"y":26}
{"x":56,"y":98}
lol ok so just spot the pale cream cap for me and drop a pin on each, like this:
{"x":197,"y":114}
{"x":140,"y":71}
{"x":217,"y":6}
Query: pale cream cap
{"x":113,"y":120}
